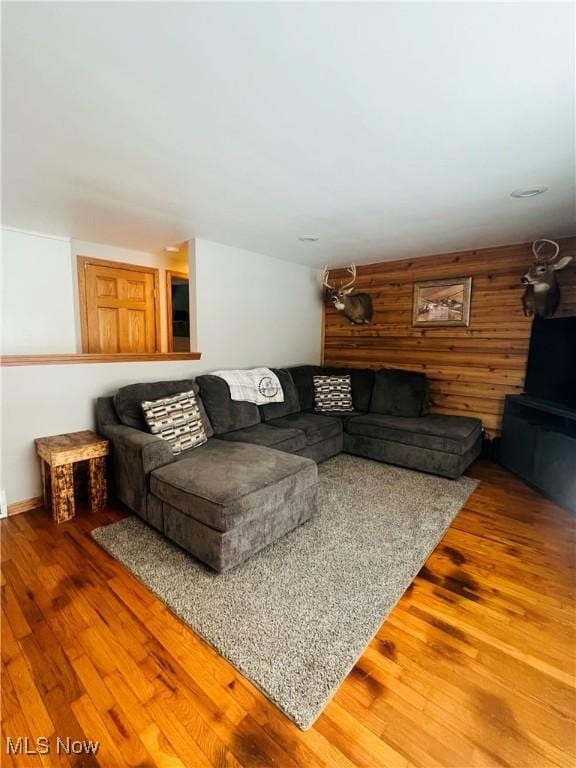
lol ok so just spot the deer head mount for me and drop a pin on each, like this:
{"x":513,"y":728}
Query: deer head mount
{"x":542,"y":295}
{"x":356,"y":307}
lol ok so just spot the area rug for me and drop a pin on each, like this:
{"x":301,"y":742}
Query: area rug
{"x":296,"y":617}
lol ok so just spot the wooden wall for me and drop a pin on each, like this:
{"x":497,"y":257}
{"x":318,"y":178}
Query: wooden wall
{"x":470,"y":369}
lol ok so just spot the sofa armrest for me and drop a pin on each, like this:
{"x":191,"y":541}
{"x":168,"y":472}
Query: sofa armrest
{"x":150,"y":451}
{"x":135,"y":455}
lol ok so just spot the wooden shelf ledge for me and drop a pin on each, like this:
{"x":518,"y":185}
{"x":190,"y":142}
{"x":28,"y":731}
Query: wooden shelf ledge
{"x":83,"y":358}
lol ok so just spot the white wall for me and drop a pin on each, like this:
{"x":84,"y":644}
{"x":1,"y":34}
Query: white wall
{"x":252,"y":310}
{"x":37,"y":295}
{"x":45,"y":400}
{"x":255,"y":310}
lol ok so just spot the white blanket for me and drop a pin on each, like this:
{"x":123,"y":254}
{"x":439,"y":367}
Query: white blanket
{"x":257,"y":385}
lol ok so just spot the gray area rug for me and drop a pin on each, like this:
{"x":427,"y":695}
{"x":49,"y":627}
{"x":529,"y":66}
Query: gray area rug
{"x":296,"y":617}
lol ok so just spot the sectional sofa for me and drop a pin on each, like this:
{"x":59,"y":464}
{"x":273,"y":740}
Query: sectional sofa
{"x":255,"y":478}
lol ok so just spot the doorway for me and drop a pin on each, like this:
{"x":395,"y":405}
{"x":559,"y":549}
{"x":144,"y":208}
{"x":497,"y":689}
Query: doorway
{"x":178,"y":311}
{"x":118,"y":307}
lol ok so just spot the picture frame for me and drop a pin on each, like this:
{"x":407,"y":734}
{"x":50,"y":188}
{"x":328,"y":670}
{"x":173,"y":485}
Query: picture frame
{"x":442,"y":303}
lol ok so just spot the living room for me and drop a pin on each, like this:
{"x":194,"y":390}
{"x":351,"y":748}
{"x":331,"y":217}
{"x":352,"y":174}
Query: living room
{"x":288,"y":375}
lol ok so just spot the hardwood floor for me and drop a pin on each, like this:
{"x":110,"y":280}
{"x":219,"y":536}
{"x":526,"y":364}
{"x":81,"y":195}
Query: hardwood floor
{"x":474,"y":667}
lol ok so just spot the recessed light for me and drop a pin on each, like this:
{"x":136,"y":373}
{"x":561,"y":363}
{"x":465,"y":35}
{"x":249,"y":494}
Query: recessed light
{"x":172,"y":249}
{"x":309,"y":239}
{"x":529,"y":192}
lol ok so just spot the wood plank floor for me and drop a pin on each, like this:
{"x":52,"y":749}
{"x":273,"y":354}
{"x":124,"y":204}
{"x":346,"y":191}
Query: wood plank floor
{"x":474,"y":667}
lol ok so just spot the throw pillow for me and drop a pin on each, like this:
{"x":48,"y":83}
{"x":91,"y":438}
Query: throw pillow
{"x":362,"y":380}
{"x":128,"y":401}
{"x":333,"y":393}
{"x":176,"y":419}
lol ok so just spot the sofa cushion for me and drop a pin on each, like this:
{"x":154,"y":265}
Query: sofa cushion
{"x":302,"y":377}
{"x":333,"y":393}
{"x":223,"y":484}
{"x":315,"y":427}
{"x":283,"y":439}
{"x":226,"y":415}
{"x":291,"y":402}
{"x":362,"y":380}
{"x":128,"y":401}
{"x":399,"y":393}
{"x":342,"y":416}
{"x":177,"y":420}
{"x":451,"y":434}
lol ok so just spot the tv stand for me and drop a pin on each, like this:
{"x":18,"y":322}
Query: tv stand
{"x":539,"y":445}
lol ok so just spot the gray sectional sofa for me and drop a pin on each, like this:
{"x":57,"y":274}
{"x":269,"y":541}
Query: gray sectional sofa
{"x":255,"y":478}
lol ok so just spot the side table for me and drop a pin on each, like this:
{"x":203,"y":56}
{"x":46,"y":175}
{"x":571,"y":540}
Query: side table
{"x":58,"y":454}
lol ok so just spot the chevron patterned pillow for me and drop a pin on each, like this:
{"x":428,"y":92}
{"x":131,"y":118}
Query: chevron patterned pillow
{"x":332,"y":393}
{"x":177,"y":420}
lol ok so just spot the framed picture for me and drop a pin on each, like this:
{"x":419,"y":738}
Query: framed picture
{"x":442,"y":302}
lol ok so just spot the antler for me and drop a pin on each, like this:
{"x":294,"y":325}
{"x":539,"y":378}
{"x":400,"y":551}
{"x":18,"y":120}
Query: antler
{"x":352,"y":270}
{"x":537,"y":247}
{"x":325,"y":275}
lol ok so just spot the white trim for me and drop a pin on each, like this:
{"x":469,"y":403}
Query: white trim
{"x":61,"y":238}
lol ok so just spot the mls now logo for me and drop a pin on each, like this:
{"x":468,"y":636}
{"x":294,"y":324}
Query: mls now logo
{"x":42,"y":746}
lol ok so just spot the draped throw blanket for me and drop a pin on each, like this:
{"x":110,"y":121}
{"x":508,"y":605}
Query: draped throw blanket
{"x":256,"y":385}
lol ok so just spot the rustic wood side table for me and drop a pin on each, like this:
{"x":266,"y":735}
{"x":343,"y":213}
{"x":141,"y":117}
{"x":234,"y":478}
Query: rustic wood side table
{"x":58,"y":454}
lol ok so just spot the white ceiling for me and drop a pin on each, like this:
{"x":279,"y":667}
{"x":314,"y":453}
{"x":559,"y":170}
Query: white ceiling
{"x":389,"y":130}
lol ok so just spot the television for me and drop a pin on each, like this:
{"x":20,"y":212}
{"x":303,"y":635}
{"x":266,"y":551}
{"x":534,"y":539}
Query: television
{"x":551,"y":369}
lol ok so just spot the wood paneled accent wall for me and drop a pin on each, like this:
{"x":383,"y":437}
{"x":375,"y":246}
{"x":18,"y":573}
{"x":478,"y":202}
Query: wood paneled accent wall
{"x":470,"y":369}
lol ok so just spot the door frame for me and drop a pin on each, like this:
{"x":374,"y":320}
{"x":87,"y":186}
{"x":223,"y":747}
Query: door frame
{"x":82,"y":262}
{"x":170,"y":273}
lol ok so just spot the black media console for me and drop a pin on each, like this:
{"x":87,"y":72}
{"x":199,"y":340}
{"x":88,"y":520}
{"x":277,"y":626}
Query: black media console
{"x":539,"y":445}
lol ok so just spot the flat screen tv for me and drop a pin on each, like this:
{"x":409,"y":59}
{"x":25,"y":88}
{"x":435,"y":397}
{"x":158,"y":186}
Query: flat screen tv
{"x":551,"y":370}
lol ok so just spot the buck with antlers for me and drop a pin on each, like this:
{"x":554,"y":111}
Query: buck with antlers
{"x":357,"y":307}
{"x":542,"y":296}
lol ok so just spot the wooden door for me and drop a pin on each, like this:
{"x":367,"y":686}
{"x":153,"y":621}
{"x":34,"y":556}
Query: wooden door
{"x":118,"y":306}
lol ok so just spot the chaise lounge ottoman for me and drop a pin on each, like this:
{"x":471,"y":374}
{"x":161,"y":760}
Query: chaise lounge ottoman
{"x":441,"y":445}
{"x":226,"y":501}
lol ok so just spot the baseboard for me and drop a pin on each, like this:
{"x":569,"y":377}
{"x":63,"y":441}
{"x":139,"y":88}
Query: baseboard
{"x":25,"y":506}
